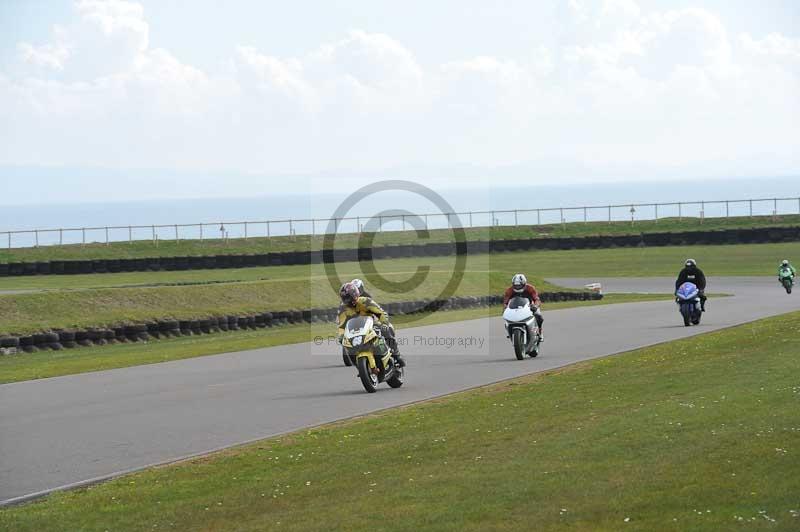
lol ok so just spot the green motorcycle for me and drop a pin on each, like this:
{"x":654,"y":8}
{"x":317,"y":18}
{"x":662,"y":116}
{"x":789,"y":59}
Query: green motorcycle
{"x":786,"y":279}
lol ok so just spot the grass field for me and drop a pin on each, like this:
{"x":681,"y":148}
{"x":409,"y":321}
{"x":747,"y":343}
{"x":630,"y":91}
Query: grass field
{"x":292,"y":287}
{"x":699,"y":434}
{"x":45,"y":364}
{"x":167,"y":248}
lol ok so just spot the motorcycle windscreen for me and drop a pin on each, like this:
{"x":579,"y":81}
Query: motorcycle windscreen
{"x":518,"y":302}
{"x":358,"y":325}
{"x":687,"y":291}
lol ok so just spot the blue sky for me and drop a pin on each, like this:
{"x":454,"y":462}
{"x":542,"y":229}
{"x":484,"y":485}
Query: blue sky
{"x":334,"y":93}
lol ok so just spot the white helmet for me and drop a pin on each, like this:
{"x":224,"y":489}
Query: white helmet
{"x":518,"y":282}
{"x":785,"y":262}
{"x":691,"y":262}
{"x":359,"y":284}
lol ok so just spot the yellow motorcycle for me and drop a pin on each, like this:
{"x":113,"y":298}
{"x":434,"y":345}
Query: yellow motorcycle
{"x":369,"y":353}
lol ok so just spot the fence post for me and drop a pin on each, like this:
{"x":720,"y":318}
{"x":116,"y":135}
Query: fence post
{"x":83,"y":237}
{"x":563,"y":221}
{"x":584,"y":215}
{"x":538,"y":217}
{"x":516,"y":218}
{"x":726,"y":208}
{"x":751,"y":208}
{"x":177,"y":238}
{"x":130,"y":235}
{"x":291,"y":227}
{"x":702,"y":211}
{"x":403,"y":221}
{"x":470,"y":218}
{"x":493,"y":219}
{"x":154,"y":233}
{"x":9,"y":240}
{"x":107,"y":236}
{"x":680,"y":214}
{"x":245,"y":230}
{"x":775,"y":207}
{"x":426,"y":222}
{"x":36,"y":232}
{"x":60,"y":237}
{"x":656,"y":206}
{"x":358,"y":224}
{"x":201,"y":232}
{"x":609,"y":214}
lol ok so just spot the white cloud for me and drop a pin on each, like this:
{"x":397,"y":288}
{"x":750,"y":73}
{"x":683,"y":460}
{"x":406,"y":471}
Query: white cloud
{"x":629,"y":85}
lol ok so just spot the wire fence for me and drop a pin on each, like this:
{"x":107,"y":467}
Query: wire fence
{"x":630,"y":213}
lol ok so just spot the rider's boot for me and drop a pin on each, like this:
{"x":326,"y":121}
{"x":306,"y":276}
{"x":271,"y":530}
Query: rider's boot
{"x":399,"y":360}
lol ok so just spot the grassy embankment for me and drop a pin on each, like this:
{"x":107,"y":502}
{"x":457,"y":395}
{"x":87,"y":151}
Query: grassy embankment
{"x":170,"y":248}
{"x":46,"y":364}
{"x":282,"y":288}
{"x":698,"y":434}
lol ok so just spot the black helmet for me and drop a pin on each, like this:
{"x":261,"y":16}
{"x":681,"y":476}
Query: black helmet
{"x":349,"y":294}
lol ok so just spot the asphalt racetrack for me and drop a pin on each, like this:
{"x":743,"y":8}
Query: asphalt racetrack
{"x":72,"y":430}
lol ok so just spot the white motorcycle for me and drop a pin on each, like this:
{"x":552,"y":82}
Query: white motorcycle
{"x":521,"y":327}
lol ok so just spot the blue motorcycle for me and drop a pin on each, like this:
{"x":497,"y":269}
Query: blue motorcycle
{"x":688,"y":299}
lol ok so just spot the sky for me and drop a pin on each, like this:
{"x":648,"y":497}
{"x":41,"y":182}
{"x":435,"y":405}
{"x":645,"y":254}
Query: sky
{"x":199,"y":98}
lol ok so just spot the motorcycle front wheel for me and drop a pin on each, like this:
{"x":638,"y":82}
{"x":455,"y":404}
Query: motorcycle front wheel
{"x":346,"y":358}
{"x":368,"y":379}
{"x":519,"y":343}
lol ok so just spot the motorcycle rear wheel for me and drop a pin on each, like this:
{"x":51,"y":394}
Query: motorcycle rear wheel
{"x":346,"y":358}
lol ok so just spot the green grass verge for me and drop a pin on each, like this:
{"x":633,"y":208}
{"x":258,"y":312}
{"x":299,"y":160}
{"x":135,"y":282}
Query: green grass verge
{"x":46,"y":364}
{"x":293,"y":287}
{"x":118,"y":250}
{"x":698,"y":434}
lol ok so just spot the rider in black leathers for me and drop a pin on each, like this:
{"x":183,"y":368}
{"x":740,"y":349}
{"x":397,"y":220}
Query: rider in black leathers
{"x":692,"y":274}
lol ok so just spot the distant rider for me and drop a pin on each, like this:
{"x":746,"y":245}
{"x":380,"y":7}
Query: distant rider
{"x":361,"y":289}
{"x":692,"y":274}
{"x":521,"y":287}
{"x":353,"y":304}
{"x":785,"y":266}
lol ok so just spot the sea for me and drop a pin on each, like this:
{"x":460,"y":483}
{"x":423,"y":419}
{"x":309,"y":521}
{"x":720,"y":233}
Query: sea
{"x":54,"y":223}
